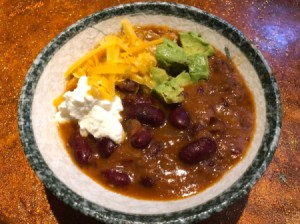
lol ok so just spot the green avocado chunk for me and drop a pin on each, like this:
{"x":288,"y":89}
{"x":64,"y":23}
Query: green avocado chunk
{"x":171,"y":57}
{"x":192,"y":44}
{"x":171,"y":90}
{"x":198,"y":67}
{"x":180,"y":66}
{"x":182,"y":79}
{"x":158,"y":75}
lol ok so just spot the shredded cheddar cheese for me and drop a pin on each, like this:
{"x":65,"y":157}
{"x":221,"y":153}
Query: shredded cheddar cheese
{"x":116,"y":58}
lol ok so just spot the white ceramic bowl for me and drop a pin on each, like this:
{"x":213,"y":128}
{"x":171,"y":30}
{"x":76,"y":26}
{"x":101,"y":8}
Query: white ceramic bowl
{"x":45,"y":150}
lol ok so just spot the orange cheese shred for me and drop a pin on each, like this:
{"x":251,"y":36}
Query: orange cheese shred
{"x":116,"y":58}
{"x":58,"y":100}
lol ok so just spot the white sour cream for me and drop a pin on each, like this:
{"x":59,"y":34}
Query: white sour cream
{"x":100,"y":118}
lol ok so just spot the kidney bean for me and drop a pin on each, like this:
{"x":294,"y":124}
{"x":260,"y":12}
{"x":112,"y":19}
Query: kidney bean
{"x":147,"y":114}
{"x":179,"y":118}
{"x":142,"y":138}
{"x":147,"y":181}
{"x":116,"y":177}
{"x":127,"y":86}
{"x":80,"y":148}
{"x":198,"y":150}
{"x":106,"y":147}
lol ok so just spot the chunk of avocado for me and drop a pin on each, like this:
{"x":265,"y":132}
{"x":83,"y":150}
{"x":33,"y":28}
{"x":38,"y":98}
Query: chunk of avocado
{"x":175,"y":60}
{"x":182,"y":79}
{"x":192,"y":44}
{"x":171,"y":57}
{"x":171,"y":90}
{"x":158,"y":75}
{"x":198,"y":67}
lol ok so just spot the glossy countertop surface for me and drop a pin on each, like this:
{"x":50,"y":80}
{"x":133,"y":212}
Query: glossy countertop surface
{"x":26,"y":27}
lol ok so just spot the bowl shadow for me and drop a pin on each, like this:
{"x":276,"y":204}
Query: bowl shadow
{"x":67,"y":215}
{"x":229,"y":215}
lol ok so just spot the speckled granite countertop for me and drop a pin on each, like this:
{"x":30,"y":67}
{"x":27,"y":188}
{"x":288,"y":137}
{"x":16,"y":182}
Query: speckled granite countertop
{"x":27,"y":26}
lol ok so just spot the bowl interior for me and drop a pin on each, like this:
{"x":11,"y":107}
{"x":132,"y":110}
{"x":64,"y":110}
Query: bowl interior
{"x":51,"y":84}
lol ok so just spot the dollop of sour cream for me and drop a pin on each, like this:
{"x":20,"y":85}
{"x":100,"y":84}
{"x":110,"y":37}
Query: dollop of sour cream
{"x":98,"y":117}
